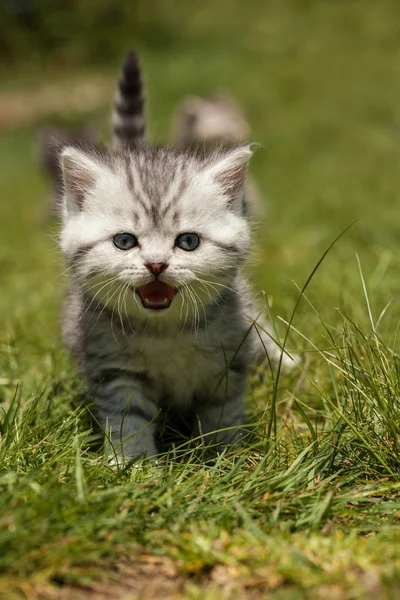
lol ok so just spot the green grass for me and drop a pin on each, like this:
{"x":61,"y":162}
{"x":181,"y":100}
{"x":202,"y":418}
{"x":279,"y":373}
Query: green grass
{"x":310,"y":508}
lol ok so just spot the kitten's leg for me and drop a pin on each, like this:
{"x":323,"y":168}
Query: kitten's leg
{"x":124,"y":409}
{"x":264,"y":345}
{"x":132,"y":434}
{"x":220,"y":417}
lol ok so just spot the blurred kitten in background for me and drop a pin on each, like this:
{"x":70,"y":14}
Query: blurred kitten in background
{"x":51,"y":141}
{"x":198,"y":123}
{"x":213,"y":122}
{"x":217,"y":120}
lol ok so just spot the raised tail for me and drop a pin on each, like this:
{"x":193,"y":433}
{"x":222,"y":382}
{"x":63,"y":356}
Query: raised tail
{"x":128,"y":125}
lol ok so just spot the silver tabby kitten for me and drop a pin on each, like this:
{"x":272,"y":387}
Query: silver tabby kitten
{"x":157,"y":313}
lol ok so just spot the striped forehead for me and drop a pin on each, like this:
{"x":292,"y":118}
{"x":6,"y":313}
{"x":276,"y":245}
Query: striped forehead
{"x":155,"y":188}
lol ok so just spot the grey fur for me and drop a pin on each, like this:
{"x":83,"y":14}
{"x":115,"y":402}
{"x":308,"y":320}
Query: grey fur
{"x":192,"y":358}
{"x":212,"y":122}
{"x":209,"y":383}
{"x":198,"y":123}
{"x":128,"y":123}
{"x":139,"y":364}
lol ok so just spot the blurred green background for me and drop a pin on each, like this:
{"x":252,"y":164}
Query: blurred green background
{"x":319,"y":82}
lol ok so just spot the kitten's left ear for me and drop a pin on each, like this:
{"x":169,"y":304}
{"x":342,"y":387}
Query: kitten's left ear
{"x":80,"y":172}
{"x":230,"y":172}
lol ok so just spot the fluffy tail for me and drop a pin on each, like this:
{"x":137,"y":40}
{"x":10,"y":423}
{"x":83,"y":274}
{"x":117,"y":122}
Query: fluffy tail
{"x":128,"y":125}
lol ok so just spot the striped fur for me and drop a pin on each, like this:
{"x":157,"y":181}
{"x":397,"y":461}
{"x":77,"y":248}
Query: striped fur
{"x":212,"y":122}
{"x":128,"y":124}
{"x":184,"y":367}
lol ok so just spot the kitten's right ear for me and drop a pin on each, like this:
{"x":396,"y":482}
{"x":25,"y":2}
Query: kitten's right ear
{"x":80,"y":173}
{"x":229,"y":172}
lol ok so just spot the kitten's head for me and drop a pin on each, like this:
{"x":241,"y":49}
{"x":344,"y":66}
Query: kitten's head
{"x":152,"y":231}
{"x":214,"y":120}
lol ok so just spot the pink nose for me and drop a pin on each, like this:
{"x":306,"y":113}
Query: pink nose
{"x":156,"y":268}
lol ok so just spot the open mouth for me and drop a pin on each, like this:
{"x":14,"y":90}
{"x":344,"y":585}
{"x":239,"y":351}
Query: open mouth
{"x":156,"y":295}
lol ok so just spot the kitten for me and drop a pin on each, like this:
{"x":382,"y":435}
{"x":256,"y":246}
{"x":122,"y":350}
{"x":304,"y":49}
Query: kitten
{"x":157,"y":313}
{"x":216,"y":120}
{"x":198,"y":123}
{"x":211,"y":123}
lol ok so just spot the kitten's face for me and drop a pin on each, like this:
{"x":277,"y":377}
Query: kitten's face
{"x":155,"y":233}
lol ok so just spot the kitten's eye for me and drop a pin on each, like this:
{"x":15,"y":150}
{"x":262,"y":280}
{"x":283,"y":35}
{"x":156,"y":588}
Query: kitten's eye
{"x":125,"y":241}
{"x":187,"y":241}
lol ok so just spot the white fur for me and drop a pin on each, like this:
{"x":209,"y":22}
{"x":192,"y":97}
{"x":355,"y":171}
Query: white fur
{"x":179,"y":355}
{"x":109,"y":209}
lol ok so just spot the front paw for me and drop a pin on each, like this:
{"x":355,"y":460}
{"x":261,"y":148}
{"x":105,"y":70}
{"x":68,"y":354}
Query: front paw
{"x":121,"y":456}
{"x":290,"y":362}
{"x":119,"y":462}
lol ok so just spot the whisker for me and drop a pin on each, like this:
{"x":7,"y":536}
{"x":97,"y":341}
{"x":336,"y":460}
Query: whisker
{"x":202,"y":306}
{"x":119,"y":310}
{"x":94,"y":285}
{"x":216,"y":283}
{"x":117,"y":291}
{"x":93,"y":298}
{"x":196,"y":320}
{"x":126,"y":290}
{"x":102,"y":310}
{"x":184,"y":289}
{"x":205,"y":286}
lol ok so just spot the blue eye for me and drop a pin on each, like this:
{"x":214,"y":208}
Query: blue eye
{"x":125,"y":241}
{"x":187,"y":241}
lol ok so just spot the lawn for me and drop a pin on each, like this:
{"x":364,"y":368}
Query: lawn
{"x":310,"y":506}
